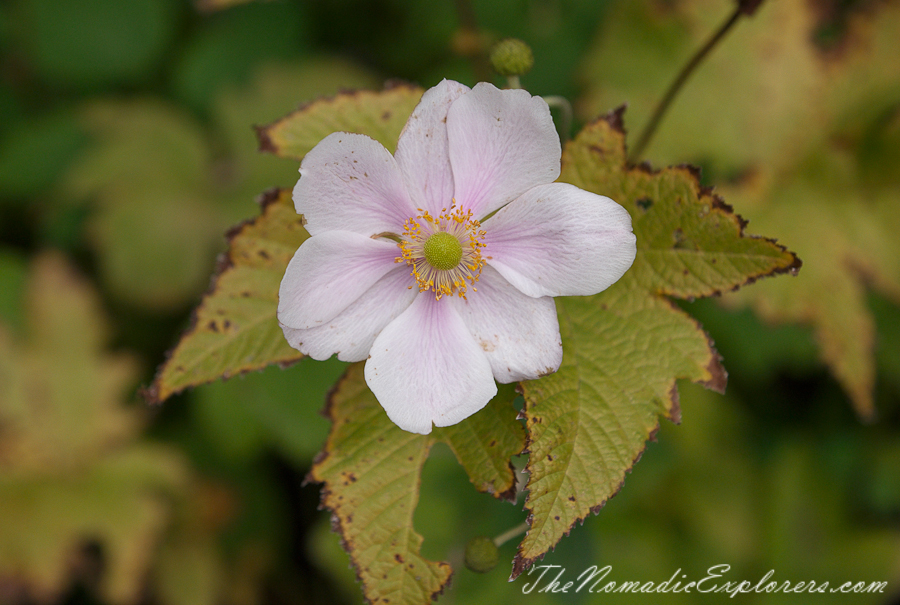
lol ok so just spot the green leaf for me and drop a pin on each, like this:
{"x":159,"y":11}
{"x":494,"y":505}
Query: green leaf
{"x":625,"y":348}
{"x":235,"y":329}
{"x":380,"y":115}
{"x":485,"y":452}
{"x":802,"y":138}
{"x":371,"y":470}
{"x":371,"y":473}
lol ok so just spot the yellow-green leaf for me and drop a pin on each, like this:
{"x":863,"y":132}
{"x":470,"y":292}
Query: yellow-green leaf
{"x":380,"y":115}
{"x":624,"y":349}
{"x":235,"y":329}
{"x":69,"y":469}
{"x":797,"y":133}
{"x":371,"y":470}
{"x":485,"y":442}
{"x":60,"y":392}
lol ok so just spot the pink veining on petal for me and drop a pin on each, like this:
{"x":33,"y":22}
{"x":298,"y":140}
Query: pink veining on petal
{"x":328,"y":273}
{"x":351,"y":332}
{"x":502,"y":143}
{"x":519,"y":334}
{"x":426,"y":368}
{"x":559,"y":240}
{"x":350,"y":182}
{"x":423,"y":151}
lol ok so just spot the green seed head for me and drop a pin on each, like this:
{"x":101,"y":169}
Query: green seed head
{"x":512,"y":57}
{"x":443,"y":251}
{"x":481,"y":554}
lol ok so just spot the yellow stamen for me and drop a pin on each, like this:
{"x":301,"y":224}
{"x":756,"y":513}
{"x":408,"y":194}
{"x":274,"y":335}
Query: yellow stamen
{"x":443,"y":274}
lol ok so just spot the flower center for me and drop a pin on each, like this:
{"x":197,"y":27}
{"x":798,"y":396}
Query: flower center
{"x":444,"y":251}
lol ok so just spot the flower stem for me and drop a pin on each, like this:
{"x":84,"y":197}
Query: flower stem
{"x":510,"y":534}
{"x":678,"y":83}
{"x":565,"y":118}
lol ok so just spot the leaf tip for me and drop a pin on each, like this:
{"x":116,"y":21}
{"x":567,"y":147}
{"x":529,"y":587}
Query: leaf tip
{"x":266,"y":145}
{"x":718,"y":375}
{"x":616,"y":119}
{"x":675,"y":409}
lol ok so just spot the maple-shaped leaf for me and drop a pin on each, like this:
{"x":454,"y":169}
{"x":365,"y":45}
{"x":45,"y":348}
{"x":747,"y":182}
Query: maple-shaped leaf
{"x":70,"y":471}
{"x":235,"y":329}
{"x":800,"y":139}
{"x":60,"y":393}
{"x":624,"y":349}
{"x":371,"y":472}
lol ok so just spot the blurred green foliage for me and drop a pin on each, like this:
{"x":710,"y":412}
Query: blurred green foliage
{"x":126,"y":145}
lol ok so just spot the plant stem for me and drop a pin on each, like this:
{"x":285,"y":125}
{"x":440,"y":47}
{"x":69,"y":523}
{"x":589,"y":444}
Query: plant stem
{"x":675,"y":87}
{"x":510,"y":534}
{"x":565,"y":117}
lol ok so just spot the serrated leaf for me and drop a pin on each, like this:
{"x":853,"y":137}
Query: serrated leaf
{"x":371,"y":474}
{"x":68,"y":470}
{"x":625,"y":347}
{"x":371,"y":470}
{"x":781,"y":137}
{"x":483,"y":450}
{"x":59,"y":390}
{"x":235,"y":329}
{"x":690,"y":243}
{"x":380,"y":115}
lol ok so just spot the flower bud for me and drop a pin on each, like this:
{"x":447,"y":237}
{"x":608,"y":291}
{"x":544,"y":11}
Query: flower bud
{"x":481,"y":554}
{"x":512,"y":57}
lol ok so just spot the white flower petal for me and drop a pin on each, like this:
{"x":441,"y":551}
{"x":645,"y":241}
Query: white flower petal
{"x":350,"y":182}
{"x":559,"y":240}
{"x":502,"y":143}
{"x":351,"y":333}
{"x":425,"y":368}
{"x":422,"y":151}
{"x":327,"y":273}
{"x":518,"y":333}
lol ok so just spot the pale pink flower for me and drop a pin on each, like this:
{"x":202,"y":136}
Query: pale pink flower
{"x":439,"y":264}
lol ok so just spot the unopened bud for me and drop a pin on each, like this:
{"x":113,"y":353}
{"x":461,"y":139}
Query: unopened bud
{"x":512,"y":57}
